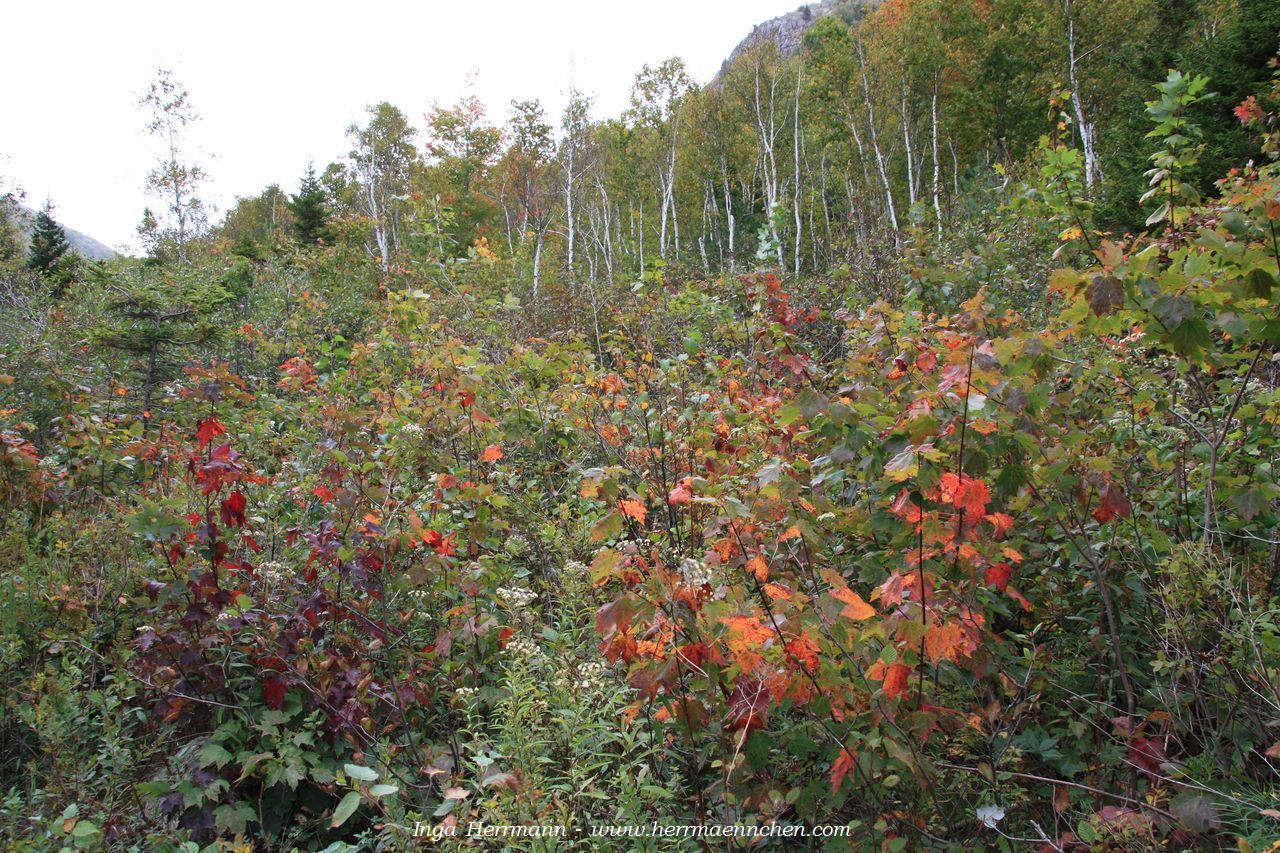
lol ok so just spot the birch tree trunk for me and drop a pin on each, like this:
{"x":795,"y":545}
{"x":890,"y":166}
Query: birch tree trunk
{"x":796,"y":193}
{"x":937,"y":168}
{"x":730,"y":226}
{"x":875,"y":146}
{"x":906,"y":144}
{"x":1092,"y":169}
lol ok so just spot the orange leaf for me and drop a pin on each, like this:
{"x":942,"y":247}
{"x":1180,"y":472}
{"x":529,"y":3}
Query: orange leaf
{"x":775,"y":591}
{"x":744,"y":637}
{"x":841,"y":768}
{"x":1001,"y":522}
{"x":857,"y":608}
{"x":965,"y":493}
{"x":759,"y":567}
{"x":745,"y":631}
{"x":635,"y":509}
{"x":793,"y":532}
{"x":944,"y":642}
{"x":895,"y":680}
{"x":492,"y":453}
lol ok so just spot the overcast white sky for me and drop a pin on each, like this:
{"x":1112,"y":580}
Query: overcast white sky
{"x":276,"y":83}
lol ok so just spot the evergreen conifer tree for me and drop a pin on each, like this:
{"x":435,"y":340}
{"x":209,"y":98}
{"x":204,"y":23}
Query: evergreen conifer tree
{"x":48,"y":242}
{"x":310,"y":210}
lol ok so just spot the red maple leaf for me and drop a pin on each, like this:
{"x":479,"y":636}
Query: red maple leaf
{"x":447,"y":547}
{"x":273,"y":690}
{"x":973,"y":497}
{"x":748,"y":705}
{"x":209,"y":429}
{"x":804,"y":651}
{"x":999,"y":575}
{"x":233,"y":509}
{"x":1148,"y":755}
{"x":1111,"y":504}
{"x":681,"y":494}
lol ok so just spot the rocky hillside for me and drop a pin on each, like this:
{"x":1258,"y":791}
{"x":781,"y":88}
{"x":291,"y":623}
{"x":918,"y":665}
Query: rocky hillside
{"x":788,"y":30}
{"x":82,"y":244}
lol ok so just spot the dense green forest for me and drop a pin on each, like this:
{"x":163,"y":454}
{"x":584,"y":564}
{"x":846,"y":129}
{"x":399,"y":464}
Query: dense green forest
{"x":882,"y":436}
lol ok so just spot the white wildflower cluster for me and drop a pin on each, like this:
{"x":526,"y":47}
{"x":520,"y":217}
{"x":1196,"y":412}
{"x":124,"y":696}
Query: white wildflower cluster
{"x":592,"y":675}
{"x":575,"y":570}
{"x":142,"y":629}
{"x":695,"y":572}
{"x":517,"y":544}
{"x":418,"y":600}
{"x":525,"y":650}
{"x":463,"y":695}
{"x":225,"y":616}
{"x":516,"y":597}
{"x":413,"y":432}
{"x":589,"y":680}
{"x":272,"y":572}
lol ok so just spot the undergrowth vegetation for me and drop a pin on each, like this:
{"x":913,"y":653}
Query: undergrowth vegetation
{"x":972,"y":547}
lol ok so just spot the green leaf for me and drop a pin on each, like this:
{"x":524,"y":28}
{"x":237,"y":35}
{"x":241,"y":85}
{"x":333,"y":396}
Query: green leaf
{"x":383,"y":790}
{"x":346,"y":808}
{"x":214,"y":753}
{"x":1250,"y":503}
{"x":364,"y":774}
{"x":1190,"y":336}
{"x":233,"y":817}
{"x":1171,"y":310}
{"x":607,"y":528}
{"x":1259,"y":283}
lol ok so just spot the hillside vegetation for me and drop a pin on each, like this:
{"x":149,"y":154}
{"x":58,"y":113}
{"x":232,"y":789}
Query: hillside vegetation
{"x":883,"y":436}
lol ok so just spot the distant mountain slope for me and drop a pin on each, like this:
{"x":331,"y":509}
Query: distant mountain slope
{"x":82,"y":244}
{"x":788,"y":30}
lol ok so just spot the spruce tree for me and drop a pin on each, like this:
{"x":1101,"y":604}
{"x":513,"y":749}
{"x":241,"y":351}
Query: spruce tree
{"x":48,"y":242}
{"x":310,"y":210}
